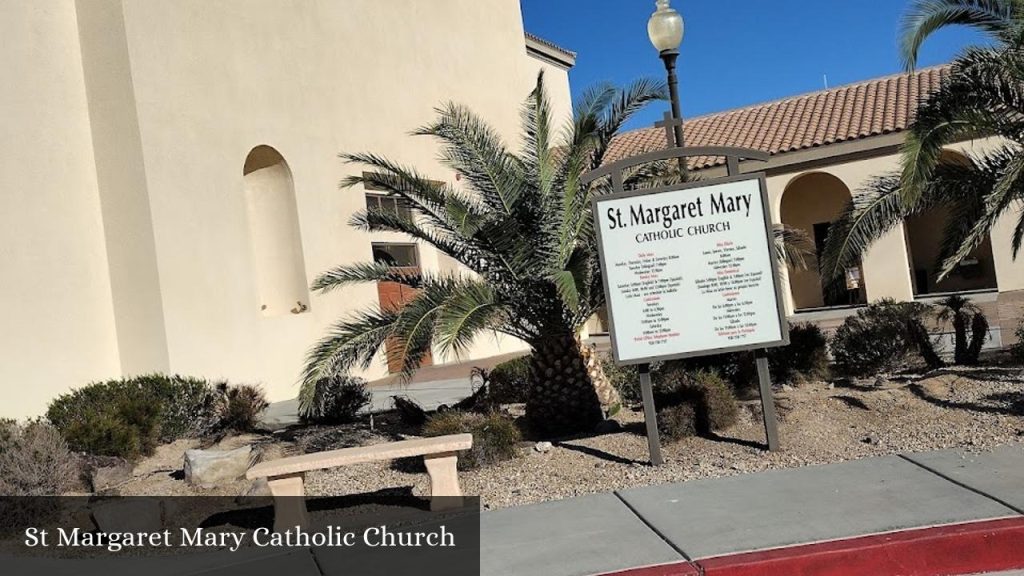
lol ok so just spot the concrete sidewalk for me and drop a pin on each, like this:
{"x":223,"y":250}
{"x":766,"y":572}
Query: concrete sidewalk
{"x":710,"y":518}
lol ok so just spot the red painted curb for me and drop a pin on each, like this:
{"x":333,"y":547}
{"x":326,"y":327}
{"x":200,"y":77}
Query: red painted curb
{"x":969,"y":548}
{"x":959,"y":549}
{"x":675,"y":569}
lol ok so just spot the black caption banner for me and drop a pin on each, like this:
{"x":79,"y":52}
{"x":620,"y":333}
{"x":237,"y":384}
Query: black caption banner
{"x":219,"y":536}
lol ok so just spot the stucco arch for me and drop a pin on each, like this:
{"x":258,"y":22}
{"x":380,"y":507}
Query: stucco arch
{"x":274,"y":237}
{"x":811,"y":202}
{"x":924,"y":233}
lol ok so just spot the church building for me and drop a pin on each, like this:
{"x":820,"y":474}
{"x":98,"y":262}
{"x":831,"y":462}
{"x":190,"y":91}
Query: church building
{"x":169,"y":178}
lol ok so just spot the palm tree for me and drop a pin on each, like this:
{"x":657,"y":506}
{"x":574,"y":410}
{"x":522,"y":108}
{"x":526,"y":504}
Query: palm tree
{"x":984,"y":96}
{"x":521,"y":225}
{"x":963,"y":315}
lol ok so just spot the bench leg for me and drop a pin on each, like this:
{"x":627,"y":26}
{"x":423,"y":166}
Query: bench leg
{"x":444,"y":480}
{"x":289,"y":502}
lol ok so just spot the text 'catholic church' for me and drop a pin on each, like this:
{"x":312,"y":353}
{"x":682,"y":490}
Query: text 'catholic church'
{"x":170,"y":178}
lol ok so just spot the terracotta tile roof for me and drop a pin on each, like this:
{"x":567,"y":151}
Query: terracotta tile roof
{"x":869,"y":108}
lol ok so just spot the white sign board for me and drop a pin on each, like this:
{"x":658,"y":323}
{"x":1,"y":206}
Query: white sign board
{"x":690,"y":270}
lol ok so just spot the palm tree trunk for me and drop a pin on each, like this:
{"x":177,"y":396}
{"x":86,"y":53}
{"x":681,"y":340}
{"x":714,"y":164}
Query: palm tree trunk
{"x":979,"y":333}
{"x":960,"y":338}
{"x":561,"y":398}
{"x":923,"y":341}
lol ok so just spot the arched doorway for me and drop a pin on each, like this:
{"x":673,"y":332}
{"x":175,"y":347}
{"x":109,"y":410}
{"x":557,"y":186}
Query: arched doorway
{"x":810,"y":203}
{"x":273,"y":220}
{"x":924,"y":233}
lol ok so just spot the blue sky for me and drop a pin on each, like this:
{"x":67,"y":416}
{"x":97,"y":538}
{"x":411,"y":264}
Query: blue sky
{"x":736,"y":52}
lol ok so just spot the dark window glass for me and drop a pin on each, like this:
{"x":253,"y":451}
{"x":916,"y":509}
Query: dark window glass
{"x":398,"y":255}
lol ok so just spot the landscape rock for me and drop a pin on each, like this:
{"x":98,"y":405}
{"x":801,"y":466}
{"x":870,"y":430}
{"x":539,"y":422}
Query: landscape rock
{"x":542,"y":447}
{"x":129,"y":515}
{"x":939,"y":387}
{"x":211,"y":468}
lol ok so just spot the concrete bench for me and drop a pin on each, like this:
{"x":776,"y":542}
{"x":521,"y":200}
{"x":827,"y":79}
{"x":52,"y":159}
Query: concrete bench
{"x":285,"y":475}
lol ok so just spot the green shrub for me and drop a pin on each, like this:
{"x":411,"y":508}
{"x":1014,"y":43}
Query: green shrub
{"x":240,"y":406}
{"x":186,"y":406}
{"x":1017,"y":350}
{"x":705,"y":390}
{"x":507,"y":382}
{"x":625,"y":379}
{"x":119,"y":423}
{"x":129,"y":417}
{"x":495,"y":436}
{"x":880,"y":338}
{"x":806,"y":356}
{"x":336,"y":400}
{"x":34,"y":460}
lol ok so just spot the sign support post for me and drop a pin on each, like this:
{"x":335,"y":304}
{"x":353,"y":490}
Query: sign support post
{"x":764,"y":385}
{"x":650,"y":415}
{"x":764,"y":377}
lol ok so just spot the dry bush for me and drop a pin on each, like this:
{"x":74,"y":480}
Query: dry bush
{"x":705,"y":391}
{"x":240,"y":406}
{"x":677,"y":422}
{"x":34,"y":460}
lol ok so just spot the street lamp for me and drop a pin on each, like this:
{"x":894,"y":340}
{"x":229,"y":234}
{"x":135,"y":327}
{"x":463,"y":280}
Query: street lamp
{"x":665,"y":29}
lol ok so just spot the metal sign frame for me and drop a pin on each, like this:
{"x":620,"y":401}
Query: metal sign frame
{"x":776,"y":283}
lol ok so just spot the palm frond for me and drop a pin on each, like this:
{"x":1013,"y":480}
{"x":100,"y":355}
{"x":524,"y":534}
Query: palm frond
{"x":793,"y":246}
{"x":467,"y":252}
{"x":1008,"y":188}
{"x":983,"y":97}
{"x":1018,"y":231}
{"x":349,"y":343}
{"x":365,"y":272}
{"x":869,"y":215}
{"x":473,"y":149}
{"x":997,"y":18}
{"x":631,"y":99}
{"x":470,"y":310}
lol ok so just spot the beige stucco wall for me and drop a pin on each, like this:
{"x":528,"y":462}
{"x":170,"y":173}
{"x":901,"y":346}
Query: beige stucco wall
{"x":123,"y":189}
{"x":887,"y":265}
{"x":56,"y":322}
{"x":124,"y":238}
{"x":556,"y":83}
{"x":1009,"y":272}
{"x":813,"y":198}
{"x":311,"y":79}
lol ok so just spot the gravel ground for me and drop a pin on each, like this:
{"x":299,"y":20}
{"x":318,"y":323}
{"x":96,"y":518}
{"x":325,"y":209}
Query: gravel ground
{"x":822,"y":423}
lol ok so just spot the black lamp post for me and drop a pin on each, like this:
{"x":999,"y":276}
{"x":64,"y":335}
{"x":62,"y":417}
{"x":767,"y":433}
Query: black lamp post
{"x":665,"y":29}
